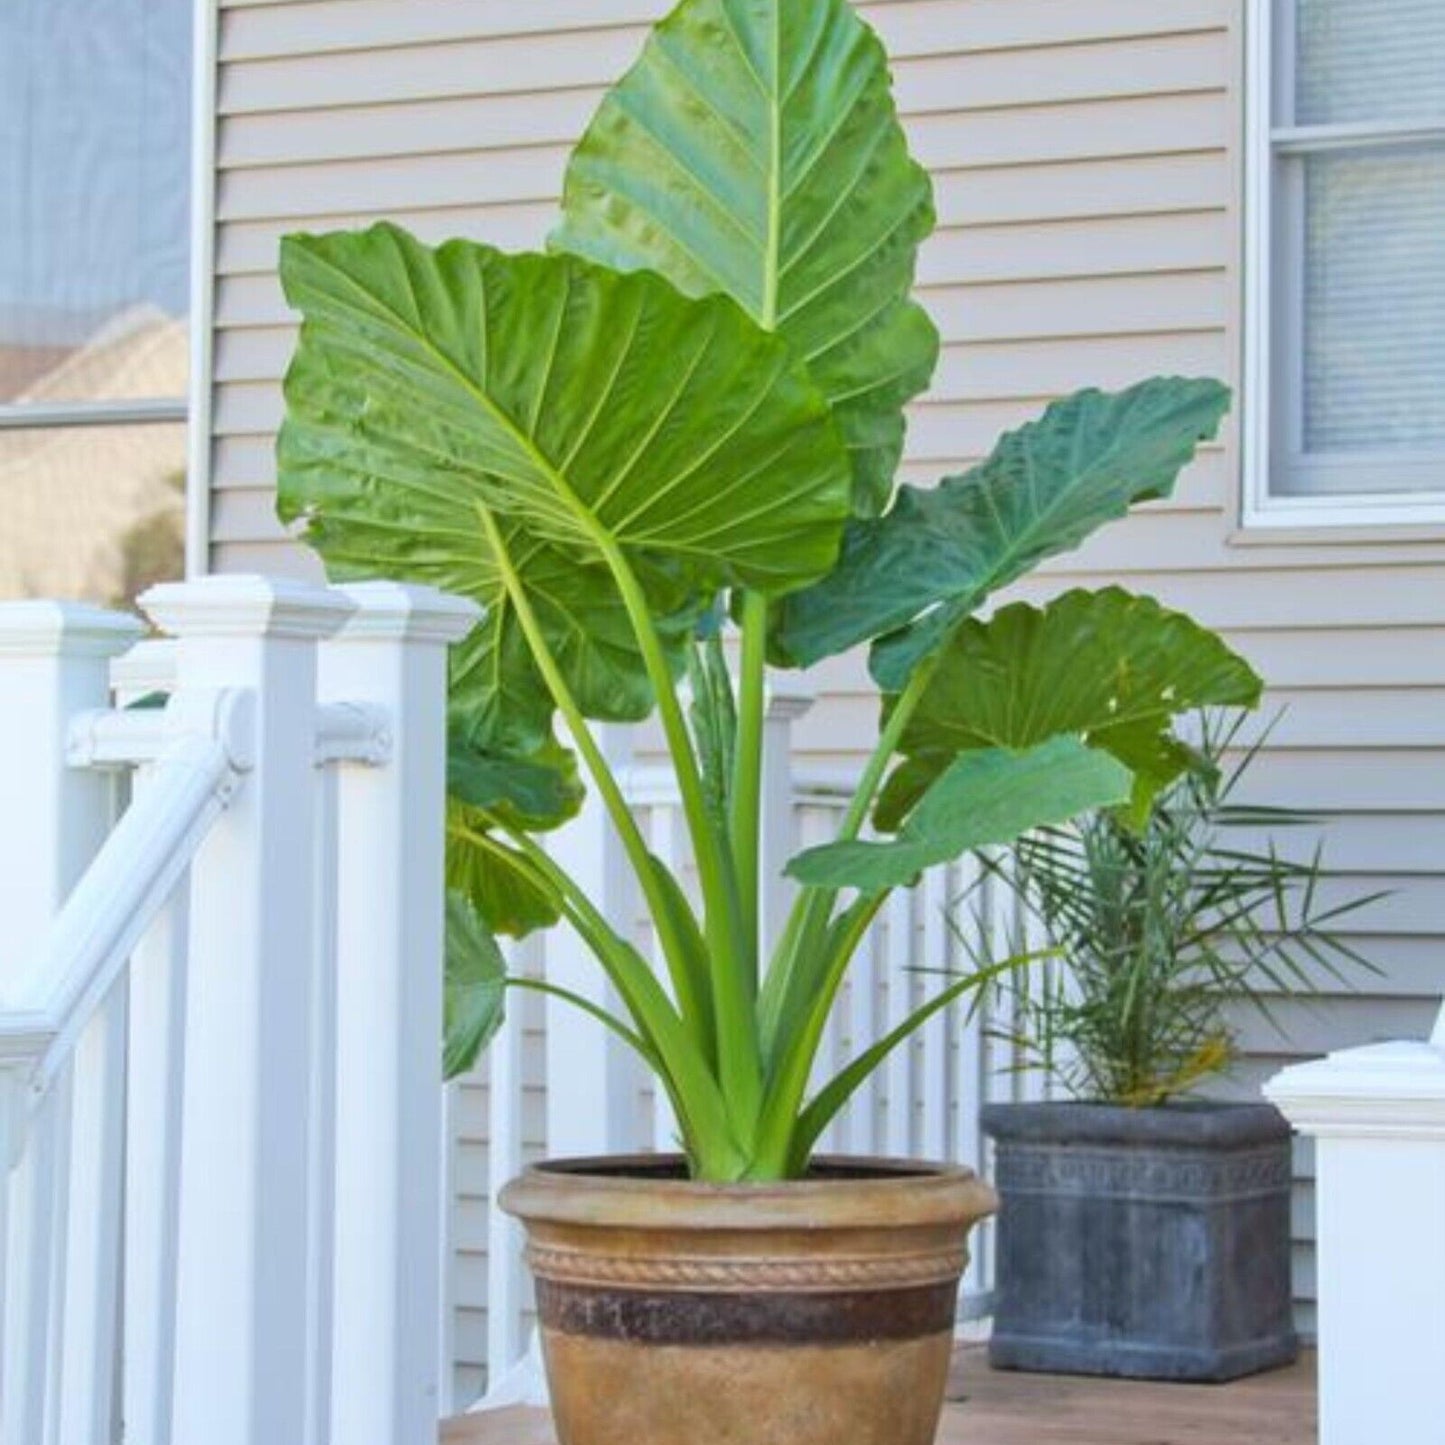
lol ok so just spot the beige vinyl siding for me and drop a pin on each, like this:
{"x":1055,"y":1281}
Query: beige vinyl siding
{"x":1087,"y":161}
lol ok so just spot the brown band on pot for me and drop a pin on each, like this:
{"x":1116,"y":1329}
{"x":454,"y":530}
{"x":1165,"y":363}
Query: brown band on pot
{"x":669,"y":1318}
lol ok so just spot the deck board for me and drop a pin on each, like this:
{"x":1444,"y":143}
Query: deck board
{"x":989,"y":1407}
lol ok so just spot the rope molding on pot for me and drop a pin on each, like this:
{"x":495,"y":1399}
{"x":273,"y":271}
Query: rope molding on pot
{"x":570,"y":1266}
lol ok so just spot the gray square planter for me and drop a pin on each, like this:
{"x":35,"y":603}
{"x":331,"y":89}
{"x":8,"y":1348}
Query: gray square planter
{"x":1147,"y":1243}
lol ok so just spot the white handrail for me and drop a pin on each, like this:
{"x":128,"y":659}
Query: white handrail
{"x":345,"y":733}
{"x":120,"y":896}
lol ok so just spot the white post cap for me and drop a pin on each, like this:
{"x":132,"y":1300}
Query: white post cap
{"x":65,"y":629}
{"x":788,"y":696}
{"x":1393,"y":1090}
{"x":396,"y":611}
{"x":246,"y":606}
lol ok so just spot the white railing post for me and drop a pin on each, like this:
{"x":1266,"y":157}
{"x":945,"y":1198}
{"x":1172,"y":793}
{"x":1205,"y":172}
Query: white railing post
{"x":1377,"y":1116}
{"x":58,"y":1326}
{"x":54,"y":663}
{"x":242,"y":1309}
{"x":387,"y":1295}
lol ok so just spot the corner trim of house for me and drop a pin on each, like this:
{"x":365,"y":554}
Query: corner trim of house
{"x":205,"y":50}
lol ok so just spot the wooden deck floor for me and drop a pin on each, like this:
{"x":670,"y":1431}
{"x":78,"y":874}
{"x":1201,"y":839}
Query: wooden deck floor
{"x":994,"y":1408}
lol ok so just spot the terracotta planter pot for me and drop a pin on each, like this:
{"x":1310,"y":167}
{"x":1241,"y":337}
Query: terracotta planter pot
{"x":811,"y":1313}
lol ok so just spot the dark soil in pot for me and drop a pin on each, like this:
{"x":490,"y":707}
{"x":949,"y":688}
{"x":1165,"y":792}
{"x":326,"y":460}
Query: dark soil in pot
{"x":1146,"y":1243}
{"x":812,"y":1313}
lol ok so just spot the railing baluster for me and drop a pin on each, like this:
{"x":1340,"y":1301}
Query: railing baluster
{"x":971,"y":1081}
{"x":591,"y":1103}
{"x":155,"y":1079}
{"x":506,"y":1278}
{"x":667,"y":834}
{"x":447,"y":1404}
{"x":862,"y":1118}
{"x":31,"y":1302}
{"x":91,"y":1314}
{"x":321,"y":1187}
{"x":898,"y":1071}
{"x":934,"y":1045}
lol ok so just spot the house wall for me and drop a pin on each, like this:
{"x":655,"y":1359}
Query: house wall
{"x":1088,"y":167}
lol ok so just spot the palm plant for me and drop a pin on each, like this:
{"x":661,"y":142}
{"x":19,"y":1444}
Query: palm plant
{"x":1161,"y":929}
{"x":684,"y":421}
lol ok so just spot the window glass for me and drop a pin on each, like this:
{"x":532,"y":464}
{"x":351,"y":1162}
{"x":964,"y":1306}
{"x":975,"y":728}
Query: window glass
{"x":1374,"y":301}
{"x":1364,"y":60}
{"x":94,"y":513}
{"x":94,"y":237}
{"x":94,"y":152}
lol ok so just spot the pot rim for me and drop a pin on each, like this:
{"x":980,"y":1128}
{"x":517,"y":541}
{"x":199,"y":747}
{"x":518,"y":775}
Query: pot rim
{"x":595,"y":1191}
{"x":1216,"y":1123}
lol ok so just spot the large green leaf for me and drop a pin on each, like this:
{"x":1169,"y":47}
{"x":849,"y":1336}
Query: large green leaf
{"x":498,"y":881}
{"x":597,"y":411}
{"x":755,"y":150}
{"x":987,"y":797}
{"x":1045,"y":488}
{"x":1109,"y":666}
{"x":534,"y":793}
{"x":476,"y":981}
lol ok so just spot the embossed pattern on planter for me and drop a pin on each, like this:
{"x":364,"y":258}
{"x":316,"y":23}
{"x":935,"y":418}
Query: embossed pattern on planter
{"x":822,"y":1275}
{"x":1183,"y":1175}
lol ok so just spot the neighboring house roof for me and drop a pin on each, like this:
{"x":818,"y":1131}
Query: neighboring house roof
{"x":72,"y":499}
{"x":21,"y":366}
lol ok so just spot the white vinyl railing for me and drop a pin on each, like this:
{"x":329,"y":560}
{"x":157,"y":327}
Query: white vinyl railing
{"x":923,"y":1103}
{"x":220,"y":1006}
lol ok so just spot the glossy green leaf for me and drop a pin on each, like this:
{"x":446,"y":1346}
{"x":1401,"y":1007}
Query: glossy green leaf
{"x":495,"y":878}
{"x":986,"y":797}
{"x":755,"y":150}
{"x":535,"y":793}
{"x":1109,"y":666}
{"x":593,"y":410}
{"x":476,"y":980}
{"x":497,"y":700}
{"x":1045,"y":488}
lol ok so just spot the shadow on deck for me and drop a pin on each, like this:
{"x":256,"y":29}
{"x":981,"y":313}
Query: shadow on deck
{"x":988,"y":1407}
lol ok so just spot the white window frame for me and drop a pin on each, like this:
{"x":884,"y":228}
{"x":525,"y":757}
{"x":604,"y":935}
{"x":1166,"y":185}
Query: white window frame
{"x":194,"y":409}
{"x":205,"y":58}
{"x":1272,"y":280}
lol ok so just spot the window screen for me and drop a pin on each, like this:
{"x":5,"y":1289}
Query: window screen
{"x":1359,"y":254}
{"x":94,"y":280}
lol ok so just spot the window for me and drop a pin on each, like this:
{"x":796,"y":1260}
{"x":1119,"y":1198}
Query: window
{"x":1345,"y":262}
{"x":94,"y":285}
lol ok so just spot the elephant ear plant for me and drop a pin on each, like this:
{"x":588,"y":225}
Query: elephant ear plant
{"x":666,"y":450}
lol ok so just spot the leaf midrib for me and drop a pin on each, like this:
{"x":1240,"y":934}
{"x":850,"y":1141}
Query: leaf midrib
{"x":583,"y":517}
{"x":772,"y":267}
{"x":1022,"y":539}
